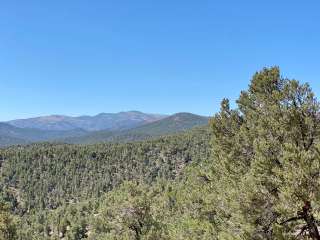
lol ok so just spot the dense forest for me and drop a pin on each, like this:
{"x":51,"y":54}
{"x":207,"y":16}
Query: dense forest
{"x":48,"y":175}
{"x":253,"y":173}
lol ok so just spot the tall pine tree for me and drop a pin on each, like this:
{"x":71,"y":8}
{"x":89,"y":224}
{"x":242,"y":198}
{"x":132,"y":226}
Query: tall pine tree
{"x":266,"y":160}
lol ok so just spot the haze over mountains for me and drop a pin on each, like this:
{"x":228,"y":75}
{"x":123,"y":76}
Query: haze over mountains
{"x":104,"y":127}
{"x":102,"y":121}
{"x":175,"y":123}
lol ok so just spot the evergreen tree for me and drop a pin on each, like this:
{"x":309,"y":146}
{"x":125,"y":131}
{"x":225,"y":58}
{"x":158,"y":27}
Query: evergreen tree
{"x":266,"y":156}
{"x":7,"y":223}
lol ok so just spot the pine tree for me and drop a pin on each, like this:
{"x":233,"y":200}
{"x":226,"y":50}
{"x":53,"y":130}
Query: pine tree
{"x":266,"y":156}
{"x":7,"y":223}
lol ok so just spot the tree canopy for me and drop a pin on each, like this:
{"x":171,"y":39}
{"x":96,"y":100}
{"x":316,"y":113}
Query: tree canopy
{"x":252,"y":174}
{"x":266,"y":154}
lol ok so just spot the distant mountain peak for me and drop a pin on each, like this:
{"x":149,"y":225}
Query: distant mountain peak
{"x":123,"y":126}
{"x":102,"y":121}
{"x":133,"y":111}
{"x":52,"y":118}
{"x":175,"y":123}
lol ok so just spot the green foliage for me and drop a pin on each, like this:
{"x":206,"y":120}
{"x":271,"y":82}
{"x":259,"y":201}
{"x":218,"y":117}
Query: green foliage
{"x":56,"y":188}
{"x":46,"y":175}
{"x":126,"y":213}
{"x":266,"y":156}
{"x":7,"y":223}
{"x":177,"y":209}
{"x":260,"y":182}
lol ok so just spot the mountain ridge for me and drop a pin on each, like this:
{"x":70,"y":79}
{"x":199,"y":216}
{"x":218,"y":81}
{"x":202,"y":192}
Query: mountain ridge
{"x":175,"y":123}
{"x":101,"y":121}
{"x":140,"y":126}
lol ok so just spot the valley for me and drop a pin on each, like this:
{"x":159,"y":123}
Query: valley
{"x":250,"y":172}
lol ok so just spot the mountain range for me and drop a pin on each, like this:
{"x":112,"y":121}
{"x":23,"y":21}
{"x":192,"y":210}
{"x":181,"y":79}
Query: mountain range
{"x":102,"y":121}
{"x":104,"y":127}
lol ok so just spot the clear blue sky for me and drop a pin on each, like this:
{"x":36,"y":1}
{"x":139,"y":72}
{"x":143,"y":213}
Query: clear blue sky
{"x":84,"y":57}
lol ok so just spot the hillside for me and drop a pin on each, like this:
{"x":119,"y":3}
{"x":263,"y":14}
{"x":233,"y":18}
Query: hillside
{"x":10,"y":135}
{"x":147,"y":128}
{"x":74,"y":173}
{"x":176,"y":123}
{"x":102,"y":121}
{"x":173,"y":124}
{"x":6,"y":141}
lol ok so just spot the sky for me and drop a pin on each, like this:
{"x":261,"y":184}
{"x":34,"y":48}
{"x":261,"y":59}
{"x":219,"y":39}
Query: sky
{"x":80,"y":57}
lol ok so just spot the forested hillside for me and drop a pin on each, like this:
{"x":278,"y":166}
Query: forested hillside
{"x":252,"y":174}
{"x":176,"y":123}
{"x":10,"y":135}
{"x":47,"y":175}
